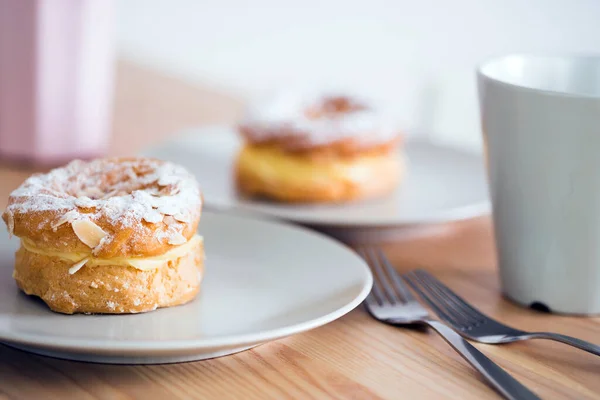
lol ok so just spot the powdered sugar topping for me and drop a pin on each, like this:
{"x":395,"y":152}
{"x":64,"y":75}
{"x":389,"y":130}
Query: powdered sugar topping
{"x":154,"y":217}
{"x":127,"y":193}
{"x":319,"y":119}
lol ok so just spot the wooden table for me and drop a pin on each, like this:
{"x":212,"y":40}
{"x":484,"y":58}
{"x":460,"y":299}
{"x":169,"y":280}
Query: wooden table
{"x":353,"y":357}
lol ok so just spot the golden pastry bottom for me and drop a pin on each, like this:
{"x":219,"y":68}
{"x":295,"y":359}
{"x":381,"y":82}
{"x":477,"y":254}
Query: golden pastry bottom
{"x":267,"y":171}
{"x":109,"y":289}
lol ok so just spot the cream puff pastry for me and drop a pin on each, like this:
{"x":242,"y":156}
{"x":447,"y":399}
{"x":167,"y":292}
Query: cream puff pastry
{"x":320,"y":149}
{"x":114,"y":235}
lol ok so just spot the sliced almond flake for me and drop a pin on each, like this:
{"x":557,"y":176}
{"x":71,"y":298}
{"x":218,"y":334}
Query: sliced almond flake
{"x":168,"y":209}
{"x":169,"y":220}
{"x":66,"y":217}
{"x":176,"y":239}
{"x":84,"y":202}
{"x":182,"y":217}
{"x":153,"y":217}
{"x":146,"y":264}
{"x":88,"y":232}
{"x":77,"y":266}
{"x":10,"y":223}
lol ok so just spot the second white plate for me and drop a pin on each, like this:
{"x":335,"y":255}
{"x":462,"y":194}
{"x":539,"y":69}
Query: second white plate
{"x":442,"y":184}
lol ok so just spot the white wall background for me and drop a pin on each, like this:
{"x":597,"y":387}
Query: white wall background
{"x":418,"y":55}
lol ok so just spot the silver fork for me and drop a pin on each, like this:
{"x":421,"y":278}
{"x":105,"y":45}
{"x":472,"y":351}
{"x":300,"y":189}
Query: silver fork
{"x":390,"y":301}
{"x":472,"y":323}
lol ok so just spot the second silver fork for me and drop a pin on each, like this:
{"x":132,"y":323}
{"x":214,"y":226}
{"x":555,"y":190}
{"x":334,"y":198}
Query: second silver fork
{"x":390,"y":301}
{"x":475,"y":325}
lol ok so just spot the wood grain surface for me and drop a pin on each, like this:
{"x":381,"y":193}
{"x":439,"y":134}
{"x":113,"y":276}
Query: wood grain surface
{"x":354,"y":357}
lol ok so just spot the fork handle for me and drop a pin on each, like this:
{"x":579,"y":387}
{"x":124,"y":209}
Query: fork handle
{"x":570,"y":340}
{"x":499,"y":379}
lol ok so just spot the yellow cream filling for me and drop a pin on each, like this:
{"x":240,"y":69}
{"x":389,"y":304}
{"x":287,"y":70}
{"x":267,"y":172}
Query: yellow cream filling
{"x":142,"y":263}
{"x":271,"y":163}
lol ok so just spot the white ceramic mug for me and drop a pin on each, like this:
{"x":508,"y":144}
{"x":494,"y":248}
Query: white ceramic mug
{"x":541,"y":124}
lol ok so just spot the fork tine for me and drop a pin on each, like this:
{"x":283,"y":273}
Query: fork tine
{"x":451,"y":314}
{"x":395,"y":276}
{"x":467,"y":311}
{"x":386,"y":289}
{"x":414,"y":281}
{"x":376,"y":289}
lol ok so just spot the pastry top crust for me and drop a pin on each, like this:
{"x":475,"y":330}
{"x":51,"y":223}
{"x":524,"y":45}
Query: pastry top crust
{"x":324,"y":123}
{"x":111,"y":207}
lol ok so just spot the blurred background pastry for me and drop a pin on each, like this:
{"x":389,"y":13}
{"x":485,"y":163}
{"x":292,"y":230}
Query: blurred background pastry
{"x":319,"y":148}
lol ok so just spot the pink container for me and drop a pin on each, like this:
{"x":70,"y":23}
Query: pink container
{"x":56,"y":79}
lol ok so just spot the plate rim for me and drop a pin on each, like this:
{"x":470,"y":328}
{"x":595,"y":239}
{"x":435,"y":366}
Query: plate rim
{"x":98,"y":346}
{"x":466,"y":212}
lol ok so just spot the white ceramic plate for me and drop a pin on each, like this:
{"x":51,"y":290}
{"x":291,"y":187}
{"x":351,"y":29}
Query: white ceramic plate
{"x":442,"y":185}
{"x":264,"y":280}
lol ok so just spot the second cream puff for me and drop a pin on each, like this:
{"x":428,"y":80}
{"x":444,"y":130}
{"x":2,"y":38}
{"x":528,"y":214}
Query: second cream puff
{"x":321,"y":150}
